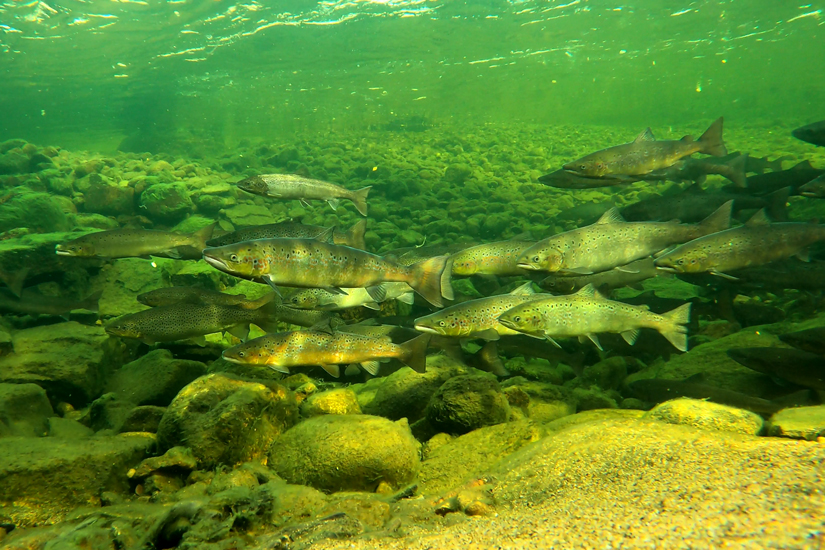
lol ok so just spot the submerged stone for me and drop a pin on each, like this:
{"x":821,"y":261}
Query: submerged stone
{"x":154,"y":378}
{"x":338,"y":401}
{"x":799,"y":423}
{"x":166,"y":202}
{"x":467,"y":402}
{"x":24,"y":410}
{"x":707,"y":415}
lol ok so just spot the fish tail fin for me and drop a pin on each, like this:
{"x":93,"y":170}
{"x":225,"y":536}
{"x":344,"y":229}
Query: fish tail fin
{"x":777,"y":204}
{"x":719,"y":220}
{"x":737,"y":172}
{"x":91,"y":302}
{"x":674,"y":328}
{"x":199,"y":237}
{"x":414,"y":352}
{"x":426,"y":278}
{"x":359,"y":199}
{"x":711,"y":140}
{"x":268,"y":314}
{"x":489,"y":359}
{"x":354,"y":236}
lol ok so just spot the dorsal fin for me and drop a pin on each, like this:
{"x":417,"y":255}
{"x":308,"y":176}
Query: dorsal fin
{"x":760,"y":218}
{"x":588,"y":291}
{"x":647,"y":135}
{"x":687,"y":138}
{"x":524,"y":290}
{"x":804,"y":165}
{"x":611,"y":216}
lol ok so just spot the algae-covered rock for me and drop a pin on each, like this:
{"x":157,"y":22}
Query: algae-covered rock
{"x":38,"y":212}
{"x":346,"y":453}
{"x":69,"y":360}
{"x":467,"y":402}
{"x":607,"y":375}
{"x":154,"y":378}
{"x":799,"y":423}
{"x":339,"y":401}
{"x":44,"y":479}
{"x":244,"y":215}
{"x":125,"y":278}
{"x":66,"y":428}
{"x":226,"y":421}
{"x":108,"y":412}
{"x":166,"y":202}
{"x":706,"y":415}
{"x":143,"y":419}
{"x":110,"y":200}
{"x":24,"y":410}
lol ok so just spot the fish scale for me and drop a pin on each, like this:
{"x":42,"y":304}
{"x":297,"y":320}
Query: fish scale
{"x":498,"y":258}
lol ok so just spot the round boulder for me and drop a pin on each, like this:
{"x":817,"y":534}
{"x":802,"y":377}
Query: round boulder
{"x":467,"y":402}
{"x":346,"y":453}
{"x":706,"y":415}
{"x":339,"y":401}
{"x":166,"y":202}
{"x":226,"y":421}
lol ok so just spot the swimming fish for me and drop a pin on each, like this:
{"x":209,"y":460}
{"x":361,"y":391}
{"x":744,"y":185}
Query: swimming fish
{"x":318,"y":298}
{"x":757,"y":242}
{"x":587,"y":313}
{"x":644,"y":154}
{"x":796,"y":366}
{"x":291,"y":186}
{"x":811,"y":340}
{"x":31,"y":302}
{"x":175,"y":294}
{"x":630,"y":274}
{"x":812,"y":133}
{"x":354,"y":236}
{"x":814,"y":188}
{"x":308,"y":348}
{"x":498,"y":258}
{"x":656,"y":390}
{"x":141,"y":243}
{"x":308,"y":263}
{"x":612,"y":242}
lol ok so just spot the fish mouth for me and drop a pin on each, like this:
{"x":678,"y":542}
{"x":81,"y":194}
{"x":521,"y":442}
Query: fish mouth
{"x":667,"y":269}
{"x":809,"y":194}
{"x":425,"y":329}
{"x":509,"y":324}
{"x":215,"y":262}
{"x":231,"y":359}
{"x":61,"y":252}
{"x":524,"y":265}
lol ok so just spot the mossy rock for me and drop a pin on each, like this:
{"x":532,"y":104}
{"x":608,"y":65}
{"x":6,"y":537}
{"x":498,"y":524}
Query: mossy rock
{"x":108,"y":199}
{"x":154,"y":378}
{"x":706,"y":415}
{"x":24,"y":410}
{"x":338,"y":401}
{"x":166,"y":202}
{"x":467,"y":402}
{"x":346,"y":453}
{"x":799,"y":423}
{"x":38,"y":212}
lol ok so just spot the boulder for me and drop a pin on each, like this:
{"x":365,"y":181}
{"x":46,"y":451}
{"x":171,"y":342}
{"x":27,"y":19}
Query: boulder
{"x":226,"y":421}
{"x":66,"y":428}
{"x":799,"y":423}
{"x":143,"y":419}
{"x":346,"y":453}
{"x":39,"y":212}
{"x":467,"y":402}
{"x":154,"y":378}
{"x":42,"y":480}
{"x":125,"y":278}
{"x":24,"y":410}
{"x":338,"y":401}
{"x":69,"y":360}
{"x":706,"y":415}
{"x":244,"y":215}
{"x":110,"y":200}
{"x":166,"y":202}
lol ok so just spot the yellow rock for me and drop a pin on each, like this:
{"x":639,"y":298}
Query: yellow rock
{"x":706,"y":415}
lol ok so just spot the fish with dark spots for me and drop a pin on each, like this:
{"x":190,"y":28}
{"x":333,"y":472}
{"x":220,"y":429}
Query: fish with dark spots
{"x":498,"y":258}
{"x":293,"y":186}
{"x":141,"y":243}
{"x":630,"y":274}
{"x":778,"y":275}
{"x":176,"y":294}
{"x":354,"y":236}
{"x":656,"y":390}
{"x":414,"y":254}
{"x":813,"y":133}
{"x":799,"y":367}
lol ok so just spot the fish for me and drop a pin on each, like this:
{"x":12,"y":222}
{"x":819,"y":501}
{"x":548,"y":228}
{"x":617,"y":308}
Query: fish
{"x":292,"y":186}
{"x":354,"y":236}
{"x":306,"y":318}
{"x":813,"y":133}
{"x":811,"y":340}
{"x":585,"y":213}
{"x":611,"y":242}
{"x":476,"y":318}
{"x":188,"y":320}
{"x":318,"y":298}
{"x":795,"y":177}
{"x":814,"y":188}
{"x":694,"y":204}
{"x":176,"y":294}
{"x":587,"y":313}
{"x":31,"y":302}
{"x":565,"y":179}
{"x":140,"y":243}
{"x":644,"y":154}
{"x":308,"y":263}
{"x":309,"y":348}
{"x":757,"y":242}
{"x":655,"y":390}
{"x":414,"y":254}
{"x":799,"y":367}
{"x":630,"y":274}
{"x":497,"y":258}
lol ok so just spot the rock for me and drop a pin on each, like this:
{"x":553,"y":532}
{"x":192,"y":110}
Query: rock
{"x":66,"y":428}
{"x":607,"y":375}
{"x":176,"y":459}
{"x":38,"y":212}
{"x":108,"y":412}
{"x":202,"y":275}
{"x":42,"y":480}
{"x":36,"y":251}
{"x":799,"y":423}
{"x":142,"y":419}
{"x":9,"y":144}
{"x":110,"y":200}
{"x":405,"y":393}
{"x":339,"y":401}
{"x":346,"y":453}
{"x":69,"y":360}
{"x":24,"y":410}
{"x":226,"y":421}
{"x":244,"y":215}
{"x":593,"y":398}
{"x":166,"y":202}
{"x":706,"y":415}
{"x":125,"y":278}
{"x":154,"y":378}
{"x":13,"y":162}
{"x":534,"y":369}
{"x":467,"y":402}
{"x":451,"y":462}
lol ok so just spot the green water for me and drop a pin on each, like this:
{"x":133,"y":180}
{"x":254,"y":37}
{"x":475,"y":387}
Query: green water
{"x":88,"y":74}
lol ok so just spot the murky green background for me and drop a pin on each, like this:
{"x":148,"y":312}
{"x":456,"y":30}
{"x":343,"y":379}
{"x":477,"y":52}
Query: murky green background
{"x":89,"y":74}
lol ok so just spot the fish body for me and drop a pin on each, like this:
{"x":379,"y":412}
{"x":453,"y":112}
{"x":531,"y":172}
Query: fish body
{"x":354,"y":236}
{"x":587,"y":313}
{"x":770,"y":182}
{"x":175,"y":294}
{"x":757,"y":242}
{"x":307,"y":348}
{"x":811,"y":133}
{"x":498,"y":258}
{"x":814,"y":188}
{"x":187,"y":320}
{"x":811,"y":340}
{"x":655,"y":390}
{"x":630,"y":274}
{"x":796,"y":366}
{"x":309,"y":263}
{"x":292,"y":186}
{"x":644,"y":154}
{"x":565,"y":179}
{"x":612,"y":242}
{"x":318,"y":298}
{"x":142,"y":243}
{"x":476,"y":318}
{"x":31,"y":302}
{"x":414,"y":254}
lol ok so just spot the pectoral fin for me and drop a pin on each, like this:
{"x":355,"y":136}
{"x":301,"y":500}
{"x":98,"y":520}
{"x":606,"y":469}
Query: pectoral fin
{"x":488,"y":334}
{"x":239,"y":331}
{"x":724,"y":275}
{"x":333,"y":203}
{"x":333,"y":370}
{"x":278,"y":368}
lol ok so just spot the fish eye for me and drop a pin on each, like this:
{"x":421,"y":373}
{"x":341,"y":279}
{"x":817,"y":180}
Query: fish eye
{"x":442,"y":324}
{"x":582,"y":166}
{"x":233,"y":258}
{"x":536,"y":259}
{"x":241,"y":354}
{"x":517,"y":318}
{"x":681,"y":261}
